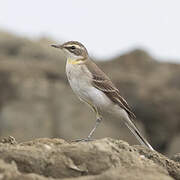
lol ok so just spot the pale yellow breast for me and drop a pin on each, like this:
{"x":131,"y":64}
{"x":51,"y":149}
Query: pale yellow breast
{"x":79,"y":76}
{"x":80,"y":80}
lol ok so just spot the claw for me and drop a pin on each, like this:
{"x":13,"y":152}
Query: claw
{"x":83,"y":140}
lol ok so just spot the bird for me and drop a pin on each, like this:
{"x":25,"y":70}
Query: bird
{"x":95,"y":88}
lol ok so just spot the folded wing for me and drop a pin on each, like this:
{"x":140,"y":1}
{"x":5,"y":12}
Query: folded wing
{"x":102,"y":82}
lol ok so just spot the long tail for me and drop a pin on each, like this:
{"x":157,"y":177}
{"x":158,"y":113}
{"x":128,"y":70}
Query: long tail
{"x":137,"y":134}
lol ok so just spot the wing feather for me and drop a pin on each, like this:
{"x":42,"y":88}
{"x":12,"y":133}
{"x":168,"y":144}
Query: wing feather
{"x":106,"y":86}
{"x":102,"y":82}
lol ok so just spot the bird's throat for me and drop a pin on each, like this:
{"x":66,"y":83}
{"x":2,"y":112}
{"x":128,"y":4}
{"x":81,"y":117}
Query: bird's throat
{"x":75,"y":61}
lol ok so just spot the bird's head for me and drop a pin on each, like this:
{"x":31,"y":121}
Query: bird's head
{"x":73,"y":50}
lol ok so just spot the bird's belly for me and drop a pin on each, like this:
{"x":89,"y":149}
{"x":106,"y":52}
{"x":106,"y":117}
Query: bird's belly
{"x":98,"y":98}
{"x":91,"y":95}
{"x":80,"y":87}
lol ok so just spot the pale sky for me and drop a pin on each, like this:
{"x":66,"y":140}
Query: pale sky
{"x":106,"y":27}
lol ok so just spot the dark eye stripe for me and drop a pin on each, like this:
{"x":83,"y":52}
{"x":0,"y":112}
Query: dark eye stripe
{"x":71,"y":47}
{"x":74,"y":50}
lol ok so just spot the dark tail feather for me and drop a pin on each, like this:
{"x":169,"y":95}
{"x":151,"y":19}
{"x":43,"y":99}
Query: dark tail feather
{"x":137,"y":134}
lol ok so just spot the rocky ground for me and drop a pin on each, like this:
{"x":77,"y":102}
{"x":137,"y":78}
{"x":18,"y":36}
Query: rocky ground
{"x":104,"y":159}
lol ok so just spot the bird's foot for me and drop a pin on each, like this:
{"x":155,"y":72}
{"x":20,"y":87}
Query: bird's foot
{"x":83,"y":140}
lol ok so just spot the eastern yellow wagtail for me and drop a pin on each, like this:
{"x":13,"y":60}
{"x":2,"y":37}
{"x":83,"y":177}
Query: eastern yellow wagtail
{"x":94,"y":87}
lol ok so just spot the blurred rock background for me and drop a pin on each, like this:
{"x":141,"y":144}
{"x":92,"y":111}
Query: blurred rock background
{"x":36,"y":100}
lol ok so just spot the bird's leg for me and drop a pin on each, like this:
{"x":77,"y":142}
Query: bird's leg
{"x":98,"y":120}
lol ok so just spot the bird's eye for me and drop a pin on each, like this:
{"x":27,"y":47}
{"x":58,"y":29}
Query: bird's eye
{"x":73,"y":47}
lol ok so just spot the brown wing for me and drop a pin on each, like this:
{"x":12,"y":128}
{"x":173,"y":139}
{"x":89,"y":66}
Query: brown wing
{"x":102,"y":82}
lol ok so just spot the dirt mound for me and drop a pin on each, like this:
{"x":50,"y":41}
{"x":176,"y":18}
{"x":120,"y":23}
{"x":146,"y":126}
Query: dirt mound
{"x":100,"y":159}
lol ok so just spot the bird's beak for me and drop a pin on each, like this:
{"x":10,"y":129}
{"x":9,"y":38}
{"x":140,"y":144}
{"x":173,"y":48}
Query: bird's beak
{"x":56,"y":46}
